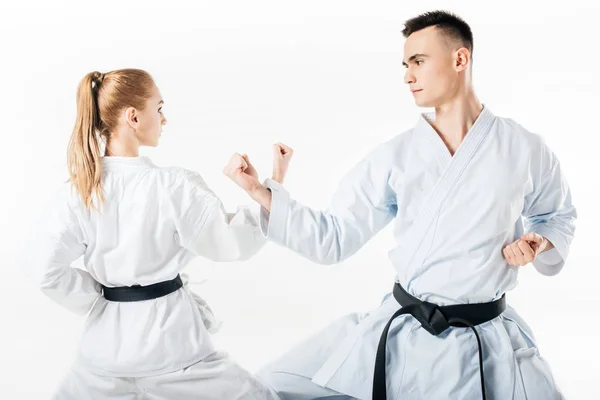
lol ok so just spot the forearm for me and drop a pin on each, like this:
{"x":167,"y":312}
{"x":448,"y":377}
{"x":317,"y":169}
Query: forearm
{"x":262,"y":196}
{"x":546,"y":245}
{"x":226,"y":237}
{"x":72,"y":288}
{"x":551,"y":259}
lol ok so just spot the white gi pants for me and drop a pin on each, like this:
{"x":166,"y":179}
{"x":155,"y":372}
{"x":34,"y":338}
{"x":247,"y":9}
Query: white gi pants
{"x":216,"y":377}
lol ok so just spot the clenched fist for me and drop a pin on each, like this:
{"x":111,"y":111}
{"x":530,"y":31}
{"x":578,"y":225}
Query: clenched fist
{"x":526,"y":249}
{"x":282,"y":155}
{"x":241,"y":171}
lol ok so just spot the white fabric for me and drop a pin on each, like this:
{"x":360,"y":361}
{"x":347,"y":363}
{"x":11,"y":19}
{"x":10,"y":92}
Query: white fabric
{"x":506,"y":181}
{"x":297,"y":387}
{"x":154,"y":221}
{"x":216,"y":377}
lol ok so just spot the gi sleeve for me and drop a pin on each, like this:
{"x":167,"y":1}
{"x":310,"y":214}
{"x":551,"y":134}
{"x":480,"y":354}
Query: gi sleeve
{"x":548,"y":211}
{"x":206,"y":229}
{"x":55,"y":241}
{"x":362,"y":205}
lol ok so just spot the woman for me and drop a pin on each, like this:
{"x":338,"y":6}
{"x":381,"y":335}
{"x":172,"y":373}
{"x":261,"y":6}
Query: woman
{"x":137,"y":226}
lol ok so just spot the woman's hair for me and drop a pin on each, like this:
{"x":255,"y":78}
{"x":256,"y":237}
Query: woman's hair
{"x":100,"y":100}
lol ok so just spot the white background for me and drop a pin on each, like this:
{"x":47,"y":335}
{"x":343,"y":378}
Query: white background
{"x":325,"y":78}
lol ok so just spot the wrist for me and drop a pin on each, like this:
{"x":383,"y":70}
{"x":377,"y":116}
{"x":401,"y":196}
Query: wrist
{"x":261,"y":195}
{"x":546,"y":245}
{"x":277,"y":178}
{"x":256,"y":190}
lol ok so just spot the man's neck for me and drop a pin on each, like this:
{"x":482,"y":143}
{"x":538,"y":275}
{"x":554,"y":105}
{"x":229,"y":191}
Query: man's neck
{"x":454,"y":119}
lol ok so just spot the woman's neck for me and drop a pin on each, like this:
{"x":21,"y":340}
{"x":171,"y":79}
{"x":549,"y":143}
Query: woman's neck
{"x":122,"y":147}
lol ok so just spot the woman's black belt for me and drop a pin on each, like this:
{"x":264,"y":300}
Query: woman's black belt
{"x":140,"y":293}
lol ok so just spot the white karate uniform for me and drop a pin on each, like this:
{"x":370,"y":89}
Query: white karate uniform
{"x":154,"y":221}
{"x":452,"y":217}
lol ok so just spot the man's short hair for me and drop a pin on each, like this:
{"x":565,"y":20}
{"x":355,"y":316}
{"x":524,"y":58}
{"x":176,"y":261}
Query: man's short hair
{"x":450,"y":25}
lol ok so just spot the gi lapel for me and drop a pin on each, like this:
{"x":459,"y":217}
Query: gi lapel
{"x":455,"y":168}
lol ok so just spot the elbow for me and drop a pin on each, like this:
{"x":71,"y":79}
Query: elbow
{"x":247,"y":249}
{"x":237,"y":256}
{"x":323,"y":261}
{"x":549,"y":270}
{"x":549,"y":263}
{"x":334,"y":255}
{"x":43,"y":278}
{"x":38,"y":275}
{"x":333,"y":258}
{"x":332,"y":248}
{"x":238,"y":251}
{"x":328,"y":262}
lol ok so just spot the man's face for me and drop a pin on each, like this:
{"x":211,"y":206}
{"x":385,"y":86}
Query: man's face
{"x":431,"y":72}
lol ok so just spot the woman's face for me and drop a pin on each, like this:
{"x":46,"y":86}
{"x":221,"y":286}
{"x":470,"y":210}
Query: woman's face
{"x":151,"y":120}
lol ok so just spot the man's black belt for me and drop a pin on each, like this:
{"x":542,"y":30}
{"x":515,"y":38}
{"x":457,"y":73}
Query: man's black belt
{"x":140,"y":293}
{"x":435,"y":320}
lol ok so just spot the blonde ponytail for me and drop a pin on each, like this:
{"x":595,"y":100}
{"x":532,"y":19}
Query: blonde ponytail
{"x":100,"y":100}
{"x":84,"y":159}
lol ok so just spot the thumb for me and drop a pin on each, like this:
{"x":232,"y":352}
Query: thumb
{"x":287,"y":150}
{"x":243,"y":164}
{"x":531,"y":237}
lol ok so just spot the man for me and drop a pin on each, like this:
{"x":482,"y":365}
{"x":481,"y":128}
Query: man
{"x":473,"y":197}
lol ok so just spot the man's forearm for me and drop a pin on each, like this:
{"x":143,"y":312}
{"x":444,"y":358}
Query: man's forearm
{"x":547,"y":245}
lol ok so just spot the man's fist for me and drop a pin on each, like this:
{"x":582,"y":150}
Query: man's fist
{"x":241,"y":171}
{"x":282,"y":155}
{"x":526,"y":249}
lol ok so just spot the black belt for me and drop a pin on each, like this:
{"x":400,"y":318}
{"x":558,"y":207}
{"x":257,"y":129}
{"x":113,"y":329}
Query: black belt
{"x":435,"y":320}
{"x":139,"y":293}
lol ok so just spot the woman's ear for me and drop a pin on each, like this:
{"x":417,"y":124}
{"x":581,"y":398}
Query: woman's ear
{"x":132,"y":118}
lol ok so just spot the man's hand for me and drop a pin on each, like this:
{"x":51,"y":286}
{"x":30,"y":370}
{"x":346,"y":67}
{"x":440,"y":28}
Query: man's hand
{"x":282,"y":155}
{"x":241,"y":171}
{"x":526,"y":249}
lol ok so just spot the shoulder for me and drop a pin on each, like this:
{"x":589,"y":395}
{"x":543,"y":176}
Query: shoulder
{"x":516,"y":130}
{"x":385,"y":152}
{"x":184,"y":182}
{"x":533,"y":142}
{"x":67,"y":195}
{"x":542,"y":161}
